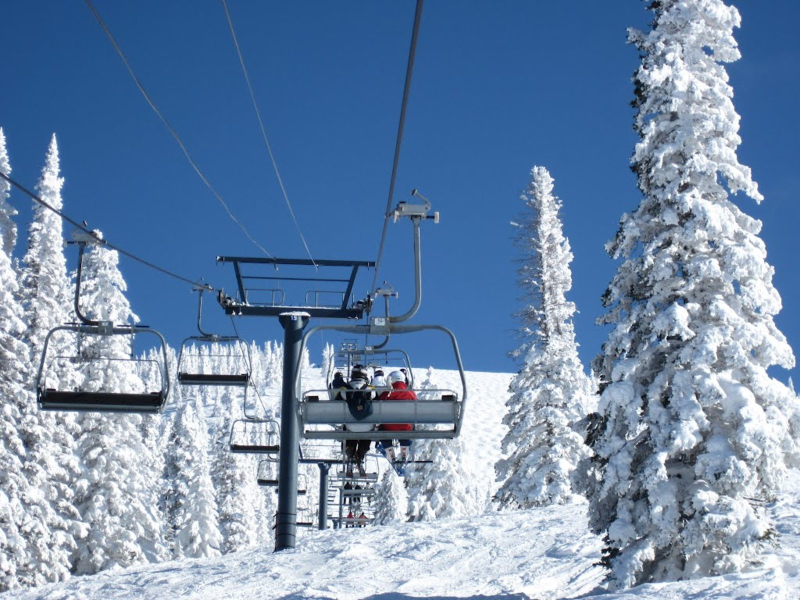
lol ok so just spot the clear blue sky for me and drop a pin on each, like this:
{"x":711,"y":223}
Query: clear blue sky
{"x":498,"y":87}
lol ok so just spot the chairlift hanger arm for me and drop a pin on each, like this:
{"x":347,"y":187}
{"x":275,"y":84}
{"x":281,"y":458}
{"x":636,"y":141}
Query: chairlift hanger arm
{"x":416,"y":213}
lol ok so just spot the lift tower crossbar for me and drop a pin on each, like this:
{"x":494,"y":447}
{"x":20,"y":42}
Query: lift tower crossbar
{"x":252,"y":274}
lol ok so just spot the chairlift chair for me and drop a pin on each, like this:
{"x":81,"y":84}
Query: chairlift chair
{"x":55,"y":392}
{"x":267,"y":473}
{"x":255,"y":436}
{"x":439,"y":417}
{"x":213,"y":360}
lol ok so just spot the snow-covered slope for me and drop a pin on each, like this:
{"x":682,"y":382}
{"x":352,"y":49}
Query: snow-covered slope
{"x":538,"y":553}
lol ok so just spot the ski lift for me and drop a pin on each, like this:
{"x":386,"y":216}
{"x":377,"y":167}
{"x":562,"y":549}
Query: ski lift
{"x":267,"y":474}
{"x":268,"y":477}
{"x":255,"y":436}
{"x":210,"y":359}
{"x":439,"y":416}
{"x":61,"y":382}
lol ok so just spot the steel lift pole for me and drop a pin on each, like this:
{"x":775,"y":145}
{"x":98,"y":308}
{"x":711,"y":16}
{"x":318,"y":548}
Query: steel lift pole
{"x":293,"y":324}
{"x":323,"y":494}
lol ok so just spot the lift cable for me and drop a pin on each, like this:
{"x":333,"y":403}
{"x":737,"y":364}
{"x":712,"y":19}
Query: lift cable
{"x":171,"y":130}
{"x":264,"y":130}
{"x":407,"y":89}
{"x":102,"y":241}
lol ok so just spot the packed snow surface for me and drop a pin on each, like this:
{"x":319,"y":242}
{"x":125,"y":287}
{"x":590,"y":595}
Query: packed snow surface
{"x":541,"y":553}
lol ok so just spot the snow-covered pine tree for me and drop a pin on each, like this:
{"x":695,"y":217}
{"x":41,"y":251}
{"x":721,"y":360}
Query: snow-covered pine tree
{"x":391,"y":499}
{"x":551,"y":392}
{"x":444,"y":488}
{"x":191,"y":508}
{"x":14,"y":555}
{"x":8,"y":227}
{"x":689,"y":432}
{"x":274,"y":372}
{"x":122,"y":525}
{"x":328,"y":354}
{"x":50,"y":466}
{"x":46,"y":283}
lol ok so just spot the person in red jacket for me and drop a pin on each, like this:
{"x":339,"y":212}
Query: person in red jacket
{"x":399,"y":391}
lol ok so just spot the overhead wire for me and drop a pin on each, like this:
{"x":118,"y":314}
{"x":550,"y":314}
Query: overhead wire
{"x":264,"y":130}
{"x":406,"y":91}
{"x":101,"y":240}
{"x":170,"y":129}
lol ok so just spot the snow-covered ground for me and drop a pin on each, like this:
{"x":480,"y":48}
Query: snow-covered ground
{"x":538,"y":553}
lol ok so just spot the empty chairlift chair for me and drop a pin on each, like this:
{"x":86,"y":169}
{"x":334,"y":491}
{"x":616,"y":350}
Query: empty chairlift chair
{"x":267,"y":474}
{"x":255,"y":436}
{"x":77,"y":358}
{"x":213,"y":360}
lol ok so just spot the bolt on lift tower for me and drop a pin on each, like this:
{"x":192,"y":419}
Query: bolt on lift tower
{"x":263,"y":284}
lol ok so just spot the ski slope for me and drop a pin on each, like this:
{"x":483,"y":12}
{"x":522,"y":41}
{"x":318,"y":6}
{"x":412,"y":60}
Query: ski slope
{"x":545,"y":553}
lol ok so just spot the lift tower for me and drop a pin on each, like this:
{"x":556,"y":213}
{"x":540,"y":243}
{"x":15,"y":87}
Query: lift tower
{"x":263,"y":285}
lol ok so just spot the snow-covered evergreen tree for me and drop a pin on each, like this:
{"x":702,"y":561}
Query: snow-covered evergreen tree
{"x":122,"y":523}
{"x":391,"y":499}
{"x":551,"y":392}
{"x":8,"y":227}
{"x":328,"y":354}
{"x":690,"y":430}
{"x":14,"y":488}
{"x":49,"y":465}
{"x":46,"y":293}
{"x":47,"y":287}
{"x":192,"y":516}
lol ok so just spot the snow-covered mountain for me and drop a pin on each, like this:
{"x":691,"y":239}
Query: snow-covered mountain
{"x":536,"y":553}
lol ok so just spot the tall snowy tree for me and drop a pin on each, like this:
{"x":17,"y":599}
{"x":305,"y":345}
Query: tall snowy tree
{"x":391,"y":503}
{"x":49,"y":464}
{"x":47,"y":287}
{"x":8,"y":228}
{"x":551,"y":392}
{"x":122,"y":523}
{"x":191,"y":508}
{"x":14,"y":487}
{"x":690,"y":429}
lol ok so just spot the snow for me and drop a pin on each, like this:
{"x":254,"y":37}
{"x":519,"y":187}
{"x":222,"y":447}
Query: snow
{"x":542,"y":553}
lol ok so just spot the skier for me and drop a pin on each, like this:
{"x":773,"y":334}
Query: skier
{"x":358,"y":399}
{"x":400,"y":391}
{"x":379,"y":382}
{"x":337,"y":383}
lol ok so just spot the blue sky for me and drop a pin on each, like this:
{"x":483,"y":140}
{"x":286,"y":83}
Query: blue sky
{"x":498,"y":88}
